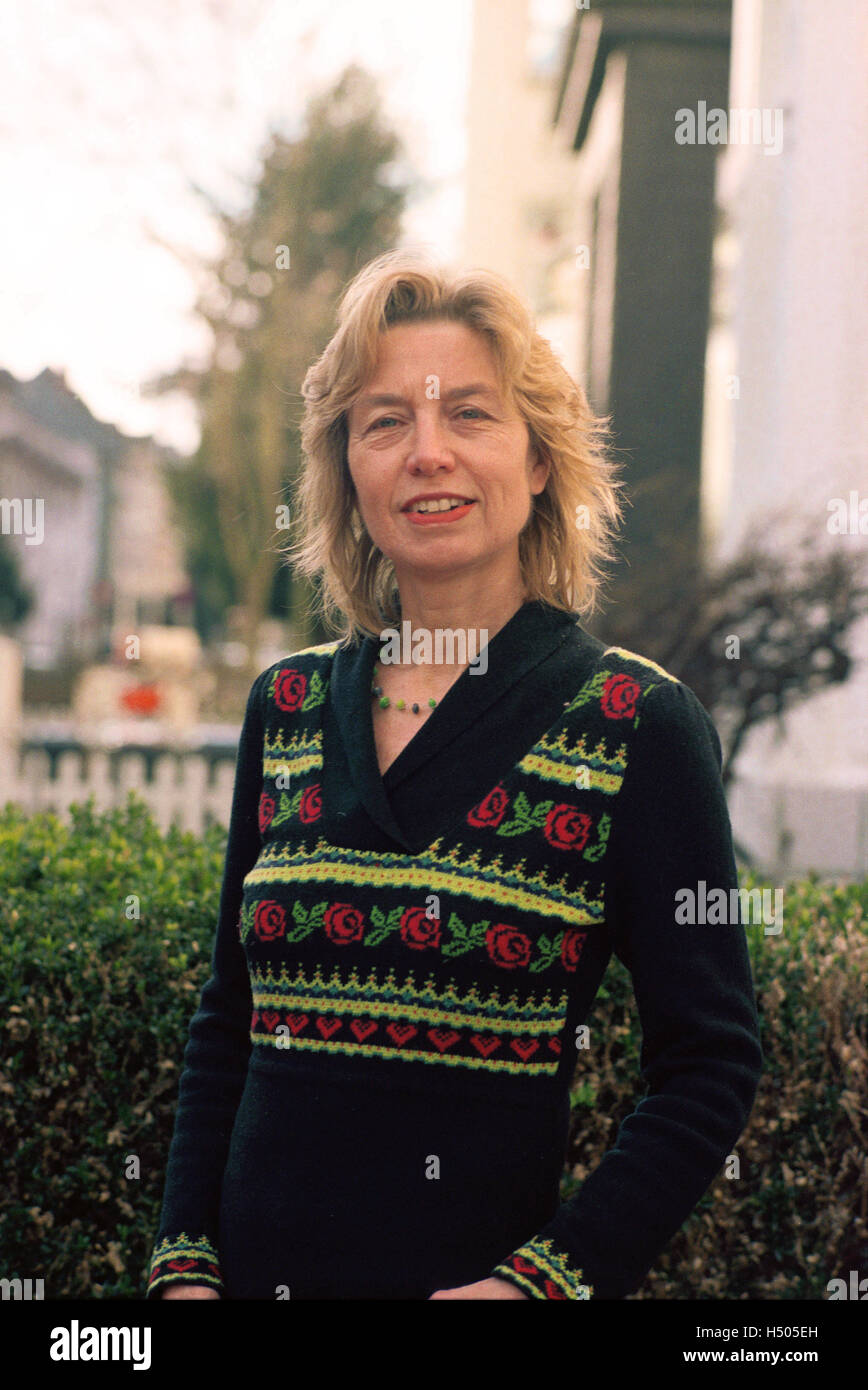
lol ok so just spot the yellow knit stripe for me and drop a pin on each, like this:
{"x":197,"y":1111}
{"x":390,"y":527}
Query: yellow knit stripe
{"x":294,"y":757}
{"x":555,"y":1267}
{"x":193,"y":1247}
{"x":565,"y":773}
{"x":428,"y":990}
{"x":641,"y":661}
{"x":291,"y":767}
{"x":182,"y":1246}
{"x":407,"y":1055}
{"x":513,"y":1277}
{"x":506,"y":887}
{"x":551,"y":1022}
{"x":274,"y":746}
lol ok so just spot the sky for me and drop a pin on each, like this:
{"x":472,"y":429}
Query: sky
{"x":112,"y":108}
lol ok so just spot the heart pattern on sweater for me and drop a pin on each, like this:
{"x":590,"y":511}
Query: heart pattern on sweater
{"x":363,"y":1028}
{"x":401,"y":1032}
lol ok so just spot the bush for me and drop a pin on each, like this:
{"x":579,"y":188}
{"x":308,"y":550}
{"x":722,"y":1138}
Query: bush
{"x":797,"y":1215}
{"x":96,"y":1007}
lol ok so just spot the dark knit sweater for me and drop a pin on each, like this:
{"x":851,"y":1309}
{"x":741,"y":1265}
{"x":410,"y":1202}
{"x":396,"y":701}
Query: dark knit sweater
{"x":375,"y":1096}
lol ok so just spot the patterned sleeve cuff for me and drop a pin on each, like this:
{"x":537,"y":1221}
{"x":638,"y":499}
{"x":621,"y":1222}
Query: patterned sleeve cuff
{"x":182,"y":1259}
{"x":542,"y":1269}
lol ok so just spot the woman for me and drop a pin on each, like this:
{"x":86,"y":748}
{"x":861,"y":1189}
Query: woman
{"x":431,"y":861}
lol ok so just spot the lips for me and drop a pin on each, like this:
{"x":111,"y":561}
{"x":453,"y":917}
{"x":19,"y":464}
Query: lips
{"x":439,"y":518}
{"x":458,"y":501}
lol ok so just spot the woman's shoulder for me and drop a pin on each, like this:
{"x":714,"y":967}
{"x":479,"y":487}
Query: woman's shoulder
{"x":649,"y":671}
{"x":633,"y":687}
{"x":600,"y":668}
{"x":296,"y":681}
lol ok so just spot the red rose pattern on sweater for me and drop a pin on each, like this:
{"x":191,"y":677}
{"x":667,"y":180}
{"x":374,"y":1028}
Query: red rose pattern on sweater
{"x":347,"y":954}
{"x":436,"y":957}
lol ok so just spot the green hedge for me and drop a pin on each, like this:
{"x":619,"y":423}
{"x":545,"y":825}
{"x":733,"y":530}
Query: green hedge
{"x":96,"y":1006}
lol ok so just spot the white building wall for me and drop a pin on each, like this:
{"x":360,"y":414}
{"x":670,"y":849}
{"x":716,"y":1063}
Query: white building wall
{"x":521,"y":187}
{"x":797,"y":435}
{"x":792,"y":290}
{"x":35,"y":463}
{"x":145,"y":560}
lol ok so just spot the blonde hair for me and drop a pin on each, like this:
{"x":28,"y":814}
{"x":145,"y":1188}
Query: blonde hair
{"x":569,"y":532}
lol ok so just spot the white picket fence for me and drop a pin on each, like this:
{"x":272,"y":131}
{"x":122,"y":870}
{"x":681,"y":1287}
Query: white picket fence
{"x":187,"y":789}
{"x":784,"y":829}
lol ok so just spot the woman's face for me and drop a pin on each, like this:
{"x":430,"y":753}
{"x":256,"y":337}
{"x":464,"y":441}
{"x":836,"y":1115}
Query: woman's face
{"x":432,"y":420}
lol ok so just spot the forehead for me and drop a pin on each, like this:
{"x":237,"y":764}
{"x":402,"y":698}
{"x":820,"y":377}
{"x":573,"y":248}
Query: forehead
{"x":442,"y":334}
{"x":408,"y":354}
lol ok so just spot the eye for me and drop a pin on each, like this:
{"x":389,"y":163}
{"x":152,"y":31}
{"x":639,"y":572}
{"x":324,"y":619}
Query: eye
{"x":381,"y":420}
{"x":471,"y":407}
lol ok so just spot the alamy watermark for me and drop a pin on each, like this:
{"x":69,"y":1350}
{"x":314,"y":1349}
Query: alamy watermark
{"x":24,"y":1290}
{"x":716,"y":906}
{"x":77,"y":1343}
{"x":443,"y":645}
{"x":847,"y":518}
{"x":741,"y":125}
{"x":16,"y":518}
{"x":856,"y":1289}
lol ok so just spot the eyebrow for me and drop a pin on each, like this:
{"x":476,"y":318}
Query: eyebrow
{"x":477,"y":388}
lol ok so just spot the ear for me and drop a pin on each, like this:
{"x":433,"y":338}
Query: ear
{"x":540,"y":469}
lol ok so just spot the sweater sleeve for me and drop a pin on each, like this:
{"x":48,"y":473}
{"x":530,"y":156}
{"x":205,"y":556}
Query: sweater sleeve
{"x":700,"y":1056}
{"x":216,"y":1055}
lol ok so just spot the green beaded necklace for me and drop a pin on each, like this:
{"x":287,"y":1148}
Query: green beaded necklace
{"x":384,"y":701}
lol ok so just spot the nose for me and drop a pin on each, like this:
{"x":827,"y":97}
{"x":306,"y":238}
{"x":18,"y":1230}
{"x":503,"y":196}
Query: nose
{"x":429,"y":447}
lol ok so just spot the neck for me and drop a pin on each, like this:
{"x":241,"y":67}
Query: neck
{"x":478,"y":617}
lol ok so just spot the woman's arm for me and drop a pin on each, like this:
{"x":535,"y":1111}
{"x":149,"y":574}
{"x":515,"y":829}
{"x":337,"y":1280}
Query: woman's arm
{"x":700,"y":1058}
{"x":215,"y":1060}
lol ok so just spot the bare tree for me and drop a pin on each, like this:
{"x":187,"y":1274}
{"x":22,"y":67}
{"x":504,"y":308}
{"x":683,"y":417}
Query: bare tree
{"x":754,"y":637}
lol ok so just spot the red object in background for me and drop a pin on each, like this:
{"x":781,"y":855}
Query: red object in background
{"x":141,"y":699}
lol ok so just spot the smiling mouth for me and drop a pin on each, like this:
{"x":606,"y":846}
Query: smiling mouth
{"x":437,"y":511}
